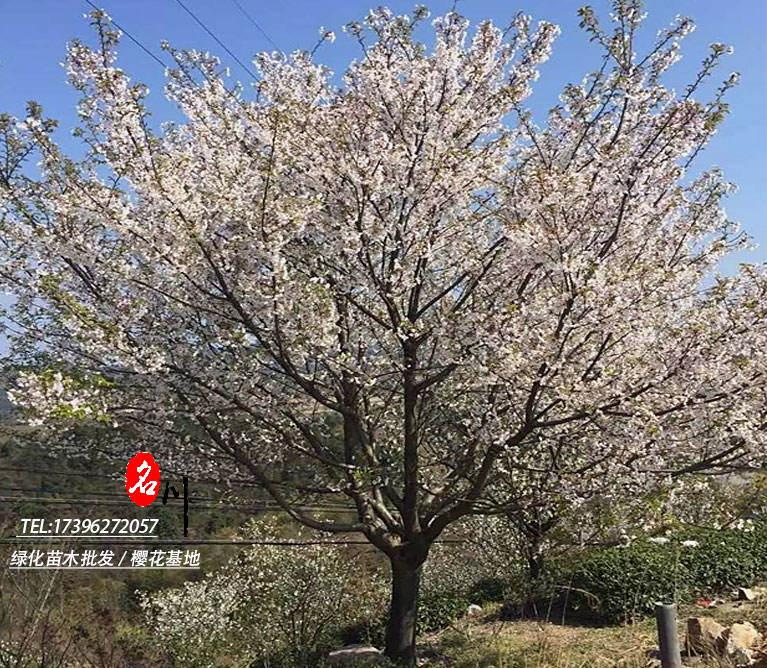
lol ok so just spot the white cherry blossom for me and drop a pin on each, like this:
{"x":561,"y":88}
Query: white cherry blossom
{"x":401,"y":288}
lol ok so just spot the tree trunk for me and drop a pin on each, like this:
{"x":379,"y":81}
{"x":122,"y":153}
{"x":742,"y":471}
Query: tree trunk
{"x":535,"y":560}
{"x":403,"y":611}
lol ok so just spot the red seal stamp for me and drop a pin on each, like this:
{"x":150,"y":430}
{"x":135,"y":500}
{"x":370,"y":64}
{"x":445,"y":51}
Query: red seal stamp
{"x":142,"y":479}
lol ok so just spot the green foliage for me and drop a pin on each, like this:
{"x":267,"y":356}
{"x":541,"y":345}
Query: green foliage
{"x":618,"y":584}
{"x":724,"y":561}
{"x":439,"y":610}
{"x":436,"y":610}
{"x":489,"y":590}
{"x":623,"y":583}
{"x":171,"y":524}
{"x":369,"y":632}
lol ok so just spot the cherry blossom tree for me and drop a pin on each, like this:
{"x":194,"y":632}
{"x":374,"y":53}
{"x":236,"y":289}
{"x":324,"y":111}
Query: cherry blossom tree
{"x":399,"y":284}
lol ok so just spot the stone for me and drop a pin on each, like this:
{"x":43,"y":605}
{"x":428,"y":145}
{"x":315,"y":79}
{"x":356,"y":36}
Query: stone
{"x":705,"y":635}
{"x":474,"y":610}
{"x":745,"y":594}
{"x":742,"y":635}
{"x":352,"y":653}
{"x":739,"y":636}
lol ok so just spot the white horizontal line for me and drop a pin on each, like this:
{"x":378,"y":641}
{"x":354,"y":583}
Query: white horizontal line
{"x":100,"y":568}
{"x":80,"y":535}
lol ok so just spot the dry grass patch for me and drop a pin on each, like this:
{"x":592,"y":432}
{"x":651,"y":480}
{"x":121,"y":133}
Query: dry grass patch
{"x":487,"y":643}
{"x":531,"y":644}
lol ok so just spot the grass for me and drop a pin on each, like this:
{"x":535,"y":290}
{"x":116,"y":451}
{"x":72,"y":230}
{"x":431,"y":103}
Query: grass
{"x":484,"y":642}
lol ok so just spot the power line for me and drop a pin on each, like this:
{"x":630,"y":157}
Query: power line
{"x":130,"y":37}
{"x":255,"y":23}
{"x":79,"y":491}
{"x":147,"y":50}
{"x":54,"y":472}
{"x":236,"y":482}
{"x":120,"y":495}
{"x":75,"y":501}
{"x":254,"y":507}
{"x":213,"y":541}
{"x":218,"y":41}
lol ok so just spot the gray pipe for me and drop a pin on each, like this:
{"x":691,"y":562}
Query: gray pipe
{"x":668,"y":640}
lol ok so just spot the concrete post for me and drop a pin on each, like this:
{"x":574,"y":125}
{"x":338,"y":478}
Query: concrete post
{"x":668,"y":640}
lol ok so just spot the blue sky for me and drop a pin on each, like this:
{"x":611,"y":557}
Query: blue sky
{"x":33,"y":37}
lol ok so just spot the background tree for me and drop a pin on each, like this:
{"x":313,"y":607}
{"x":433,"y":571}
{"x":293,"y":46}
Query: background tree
{"x":398,"y":284}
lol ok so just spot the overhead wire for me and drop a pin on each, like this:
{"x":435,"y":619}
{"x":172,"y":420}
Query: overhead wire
{"x":233,"y":482}
{"x":255,"y":23}
{"x":257,"y":506}
{"x":214,"y":541}
{"x":131,"y":37}
{"x":218,"y":41}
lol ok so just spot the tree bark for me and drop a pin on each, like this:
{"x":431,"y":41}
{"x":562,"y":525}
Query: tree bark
{"x":403,"y":609}
{"x":535,"y":563}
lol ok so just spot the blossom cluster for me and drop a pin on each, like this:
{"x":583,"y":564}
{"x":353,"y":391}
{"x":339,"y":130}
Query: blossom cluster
{"x":269,"y":600}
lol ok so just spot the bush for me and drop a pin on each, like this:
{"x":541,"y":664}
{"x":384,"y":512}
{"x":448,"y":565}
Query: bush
{"x":623,"y":583}
{"x":368,"y":632}
{"x":489,"y":590}
{"x":437,"y":611}
{"x":269,"y":604}
{"x":619,"y":584}
{"x":455,"y":576}
{"x":727,"y":559}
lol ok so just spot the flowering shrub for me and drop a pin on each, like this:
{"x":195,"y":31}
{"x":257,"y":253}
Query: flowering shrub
{"x":270,"y":604}
{"x":452,"y":568}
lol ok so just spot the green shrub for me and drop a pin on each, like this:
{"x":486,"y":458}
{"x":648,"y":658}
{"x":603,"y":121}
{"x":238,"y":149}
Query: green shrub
{"x":488,"y":590}
{"x":758,"y":547}
{"x":437,"y":611}
{"x":618,"y":584}
{"x":623,"y":583}
{"x":724,"y":560}
{"x":368,"y":632}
